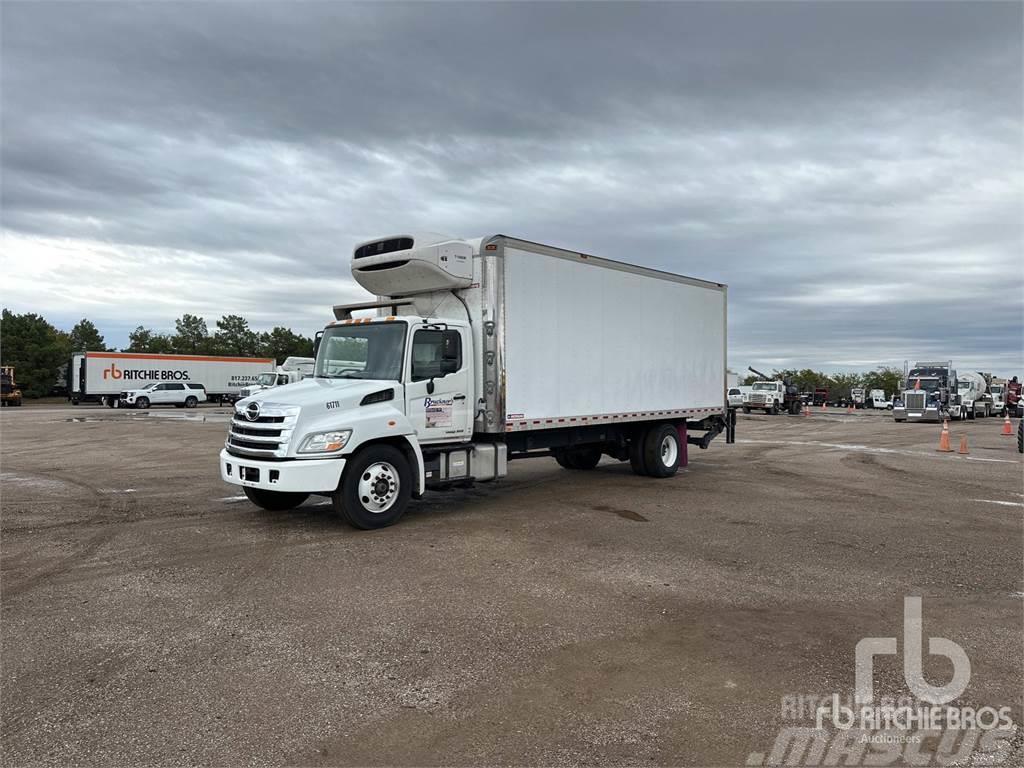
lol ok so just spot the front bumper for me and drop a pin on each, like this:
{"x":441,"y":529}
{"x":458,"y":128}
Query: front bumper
{"x":928,"y":414}
{"x":298,"y":476}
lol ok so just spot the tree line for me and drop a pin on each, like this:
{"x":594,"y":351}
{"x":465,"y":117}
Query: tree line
{"x":39,"y":351}
{"x":888,"y":379}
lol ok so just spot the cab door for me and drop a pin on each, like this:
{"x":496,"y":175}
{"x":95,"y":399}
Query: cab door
{"x":438,"y":390}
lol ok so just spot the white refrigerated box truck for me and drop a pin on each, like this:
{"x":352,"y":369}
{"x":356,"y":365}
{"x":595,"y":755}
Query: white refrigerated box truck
{"x":101,"y":377}
{"x":480,"y":351}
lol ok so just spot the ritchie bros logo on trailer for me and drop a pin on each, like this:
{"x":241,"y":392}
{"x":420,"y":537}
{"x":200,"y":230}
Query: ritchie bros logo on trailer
{"x":137,"y":374}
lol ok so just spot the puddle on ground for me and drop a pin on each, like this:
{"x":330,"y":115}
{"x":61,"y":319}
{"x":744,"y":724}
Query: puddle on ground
{"x":628,"y":514}
{"x":217,"y":418}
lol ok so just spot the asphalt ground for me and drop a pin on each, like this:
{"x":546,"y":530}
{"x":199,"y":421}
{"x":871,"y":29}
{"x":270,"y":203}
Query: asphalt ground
{"x":151,"y":615}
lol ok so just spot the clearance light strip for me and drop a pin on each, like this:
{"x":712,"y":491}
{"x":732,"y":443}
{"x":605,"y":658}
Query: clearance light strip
{"x":364,"y":320}
{"x":520,"y":425}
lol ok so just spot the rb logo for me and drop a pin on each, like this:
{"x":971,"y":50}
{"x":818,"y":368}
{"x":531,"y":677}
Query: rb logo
{"x":113,"y":372}
{"x":870,"y":647}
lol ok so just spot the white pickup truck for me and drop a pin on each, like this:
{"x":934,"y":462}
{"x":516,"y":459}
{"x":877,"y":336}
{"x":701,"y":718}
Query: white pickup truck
{"x":478,"y":351}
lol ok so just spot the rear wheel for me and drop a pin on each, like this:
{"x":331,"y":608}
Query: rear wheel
{"x":636,"y":453}
{"x":375,"y":488}
{"x":662,"y":450}
{"x":274,"y":501}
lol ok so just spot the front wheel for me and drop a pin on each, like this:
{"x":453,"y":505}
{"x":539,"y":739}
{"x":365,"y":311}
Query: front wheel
{"x":275,"y":501}
{"x":662,"y":450}
{"x":375,"y":488}
{"x":142,"y":402}
{"x":746,"y":409}
{"x":775,"y":408}
{"x":191,"y":401}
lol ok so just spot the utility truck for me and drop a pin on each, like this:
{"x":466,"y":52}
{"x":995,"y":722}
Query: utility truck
{"x":291,"y":370}
{"x":105,"y":377}
{"x":480,"y":351}
{"x":928,"y":392}
{"x":772,"y":395}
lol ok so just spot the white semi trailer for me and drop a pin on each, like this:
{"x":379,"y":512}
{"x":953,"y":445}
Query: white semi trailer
{"x":101,"y":377}
{"x":477,"y":352}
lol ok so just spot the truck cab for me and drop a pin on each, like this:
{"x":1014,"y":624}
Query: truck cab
{"x":767,"y":396}
{"x":928,"y":393}
{"x":291,"y":370}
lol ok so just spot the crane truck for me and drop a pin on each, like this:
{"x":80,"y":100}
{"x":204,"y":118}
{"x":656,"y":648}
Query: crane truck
{"x":772,"y":395}
{"x":479,"y":351}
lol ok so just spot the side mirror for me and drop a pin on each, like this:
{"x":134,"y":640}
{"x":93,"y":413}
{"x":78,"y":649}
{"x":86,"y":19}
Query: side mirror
{"x":316,"y":342}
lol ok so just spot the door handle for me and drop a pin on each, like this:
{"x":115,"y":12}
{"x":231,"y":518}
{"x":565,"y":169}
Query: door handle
{"x":458,"y":397}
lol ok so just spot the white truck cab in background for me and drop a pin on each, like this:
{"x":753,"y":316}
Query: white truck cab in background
{"x":480,"y":351}
{"x":878,"y":400}
{"x":291,"y":370}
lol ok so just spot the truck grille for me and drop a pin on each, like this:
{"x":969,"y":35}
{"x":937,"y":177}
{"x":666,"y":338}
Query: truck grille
{"x":758,"y":399}
{"x":266,"y":436}
{"x":914,"y":401}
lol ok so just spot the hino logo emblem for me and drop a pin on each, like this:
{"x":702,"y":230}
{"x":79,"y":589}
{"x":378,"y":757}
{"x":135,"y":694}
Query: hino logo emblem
{"x":252,"y":411}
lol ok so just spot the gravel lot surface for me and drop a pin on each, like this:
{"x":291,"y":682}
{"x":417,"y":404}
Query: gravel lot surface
{"x":151,"y":615}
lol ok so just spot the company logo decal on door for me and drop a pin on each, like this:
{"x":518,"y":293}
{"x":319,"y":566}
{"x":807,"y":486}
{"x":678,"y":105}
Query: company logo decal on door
{"x":438,"y":411}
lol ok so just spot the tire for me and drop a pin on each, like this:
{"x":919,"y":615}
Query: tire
{"x":142,"y":402}
{"x":1020,"y":439}
{"x":971,"y":415}
{"x":746,"y":409}
{"x":274,"y":501}
{"x":794,"y":408}
{"x":582,"y":458}
{"x":636,"y":453}
{"x":191,"y":401}
{"x":376,"y":468}
{"x":662,"y":450}
{"x":774,"y":410}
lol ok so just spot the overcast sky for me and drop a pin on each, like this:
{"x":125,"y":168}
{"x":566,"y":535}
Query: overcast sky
{"x":854,"y":172}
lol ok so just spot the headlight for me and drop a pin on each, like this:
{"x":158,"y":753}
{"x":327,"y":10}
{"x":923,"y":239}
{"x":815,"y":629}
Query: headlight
{"x":325,"y":442}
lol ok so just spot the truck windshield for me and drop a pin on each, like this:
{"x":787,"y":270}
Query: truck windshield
{"x":370,"y":351}
{"x":764,"y":385}
{"x":268,"y":379}
{"x":928,"y":385}
{"x":996,"y":389}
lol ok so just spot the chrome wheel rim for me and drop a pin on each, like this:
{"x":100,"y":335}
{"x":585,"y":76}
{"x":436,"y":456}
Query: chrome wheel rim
{"x":378,"y":487}
{"x":669,"y":451}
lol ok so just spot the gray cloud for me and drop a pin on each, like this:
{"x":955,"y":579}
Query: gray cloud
{"x":853,"y":171}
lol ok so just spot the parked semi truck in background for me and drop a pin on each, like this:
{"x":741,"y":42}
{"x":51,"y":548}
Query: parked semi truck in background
{"x":928,"y":391}
{"x":291,"y":370}
{"x":101,"y":377}
{"x":477,"y":352}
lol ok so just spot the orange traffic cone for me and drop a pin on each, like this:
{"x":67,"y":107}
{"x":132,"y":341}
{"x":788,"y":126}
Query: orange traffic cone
{"x":807,"y":409}
{"x":963,"y":446}
{"x":944,"y":439}
{"x":1007,"y":426}
{"x":849,"y":409}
